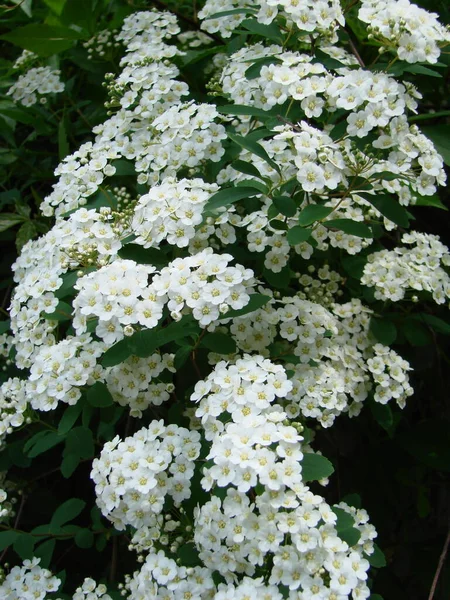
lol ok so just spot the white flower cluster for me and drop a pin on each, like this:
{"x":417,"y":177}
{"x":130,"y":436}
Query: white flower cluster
{"x":313,"y":17}
{"x":254,"y":446}
{"x":194,"y":39}
{"x":90,"y":590}
{"x":132,"y":382}
{"x":170,"y":211}
{"x":389,"y":371}
{"x":133,"y":477}
{"x":102,"y":43}
{"x":292,"y":539}
{"x":25,"y":59}
{"x":161,"y":578}
{"x":35,"y":84}
{"x":420,"y":267}
{"x":412,"y":32}
{"x":13,"y":404}
{"x":29,"y":582}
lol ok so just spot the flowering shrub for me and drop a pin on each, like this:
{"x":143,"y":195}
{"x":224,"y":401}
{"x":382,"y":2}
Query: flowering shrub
{"x":220,"y":278}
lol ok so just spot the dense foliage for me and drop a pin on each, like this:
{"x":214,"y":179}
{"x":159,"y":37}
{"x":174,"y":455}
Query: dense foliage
{"x":225,"y":300}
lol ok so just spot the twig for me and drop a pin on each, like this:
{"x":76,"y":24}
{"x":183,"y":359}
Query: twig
{"x":439,"y":567}
{"x":355,"y":51}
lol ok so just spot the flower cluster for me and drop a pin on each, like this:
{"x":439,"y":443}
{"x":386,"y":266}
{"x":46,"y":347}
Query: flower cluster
{"x":170,"y":211}
{"x":419,"y":266}
{"x":29,"y":582}
{"x":312,"y":17}
{"x":90,"y":590}
{"x":133,"y":477}
{"x":102,"y":43}
{"x":135,"y":383}
{"x":412,"y":32}
{"x":35,"y":84}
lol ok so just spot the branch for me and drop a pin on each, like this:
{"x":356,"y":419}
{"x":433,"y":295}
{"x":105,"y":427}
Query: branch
{"x":440,"y":565}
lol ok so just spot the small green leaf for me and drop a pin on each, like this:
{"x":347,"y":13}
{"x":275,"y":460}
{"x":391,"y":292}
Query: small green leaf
{"x":316,"y":467}
{"x":63,"y":144}
{"x":259,"y":185}
{"x":350,"y":227}
{"x":235,"y":11}
{"x":80,"y":441}
{"x":433,"y":201}
{"x":188,"y":555}
{"x":240,"y":109}
{"x":44,"y":443}
{"x":99,"y":396}
{"x":7,"y":538}
{"x":416,"y":333}
{"x":312,"y":213}
{"x":144,"y":343}
{"x":4,"y":326}
{"x":143,"y":256}
{"x":69,"y":418}
{"x":26,"y":233}
{"x":246,"y":168}
{"x":116,"y":354}
{"x":67,"y":511}
{"x":181,"y":356}
{"x":84,"y":538}
{"x":8,"y":220}
{"x":68,"y":465}
{"x":254,"y":70}
{"x":377,"y":560}
{"x":345,"y":526}
{"x":270,"y":32}
{"x":440,"y":136}
{"x":219,"y":342}
{"x":252,"y":146}
{"x":389,"y":208}
{"x":383,"y":330}
{"x":62,"y":312}
{"x":297,"y":235}
{"x":382,"y":413}
{"x":229,"y":196}
{"x":45,"y":552}
{"x":256,"y":302}
{"x":434,"y":322}
{"x":43,"y":39}
{"x":24,"y":546}
{"x":286,"y":205}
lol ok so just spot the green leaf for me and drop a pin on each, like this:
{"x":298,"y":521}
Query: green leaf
{"x":254,"y":70}
{"x":259,"y":185}
{"x":79,"y":12}
{"x":246,"y":168}
{"x":84,"y":538}
{"x":43,"y":39}
{"x":421,"y":70}
{"x":434,"y":201}
{"x":55,"y":5}
{"x":8,"y":220}
{"x":285,"y":205}
{"x":312,"y":213}
{"x":24,"y":545}
{"x":181,"y":356}
{"x":377,"y":560}
{"x":297,"y":235}
{"x":68,"y":465}
{"x":67,"y":511}
{"x":428,"y":116}
{"x":188,"y":555}
{"x":7,"y":538}
{"x":239,"y":109}
{"x":351,"y":227}
{"x":316,"y":467}
{"x":440,"y":136}
{"x":270,"y":32}
{"x":69,"y":418}
{"x":382,"y":413}
{"x":62,"y":312}
{"x":99,"y":396}
{"x":63,"y":144}
{"x":230,"y":196}
{"x":116,"y":354}
{"x":256,"y":302}
{"x":80,"y":441}
{"x":26,"y":233}
{"x":45,"y":552}
{"x":44,"y":443}
{"x":416,"y":333}
{"x":278,"y":280}
{"x":434,"y":322}
{"x":345,"y":526}
{"x":252,"y":146}
{"x":383,"y":330}
{"x":389,"y":208}
{"x":234,"y":11}
{"x":4,"y":326}
{"x":143,"y":256}
{"x":219,"y":342}
{"x":144,"y":343}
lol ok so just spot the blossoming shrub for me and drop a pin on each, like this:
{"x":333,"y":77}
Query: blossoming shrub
{"x":216,"y":288}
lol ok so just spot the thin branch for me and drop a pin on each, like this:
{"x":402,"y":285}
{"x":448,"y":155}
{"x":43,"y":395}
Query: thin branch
{"x":439,"y":567}
{"x":355,"y":51}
